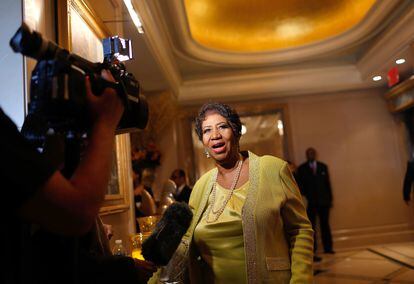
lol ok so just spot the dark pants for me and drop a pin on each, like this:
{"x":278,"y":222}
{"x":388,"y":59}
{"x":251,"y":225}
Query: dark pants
{"x":322,"y":212}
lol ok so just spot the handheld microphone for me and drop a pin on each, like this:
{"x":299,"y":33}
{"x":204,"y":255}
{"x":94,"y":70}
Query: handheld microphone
{"x":160,"y":246}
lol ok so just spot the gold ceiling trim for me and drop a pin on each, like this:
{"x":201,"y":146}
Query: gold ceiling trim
{"x":263,"y":25}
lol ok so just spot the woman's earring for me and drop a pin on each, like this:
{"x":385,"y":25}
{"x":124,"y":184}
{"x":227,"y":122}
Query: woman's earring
{"x":207,"y":153}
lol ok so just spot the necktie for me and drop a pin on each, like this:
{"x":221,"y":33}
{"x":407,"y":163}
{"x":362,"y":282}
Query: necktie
{"x":313,"y":166}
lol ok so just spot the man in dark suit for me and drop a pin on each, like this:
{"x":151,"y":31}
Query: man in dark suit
{"x":183,"y":191}
{"x":313,"y":181}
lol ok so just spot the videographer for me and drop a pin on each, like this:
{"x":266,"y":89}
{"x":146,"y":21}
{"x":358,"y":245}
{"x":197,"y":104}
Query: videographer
{"x":34,"y":192}
{"x":71,"y":206}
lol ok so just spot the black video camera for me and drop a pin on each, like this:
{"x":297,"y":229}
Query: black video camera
{"x":57,"y":90}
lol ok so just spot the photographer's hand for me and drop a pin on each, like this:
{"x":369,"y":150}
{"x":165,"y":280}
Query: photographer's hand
{"x":107,"y":108}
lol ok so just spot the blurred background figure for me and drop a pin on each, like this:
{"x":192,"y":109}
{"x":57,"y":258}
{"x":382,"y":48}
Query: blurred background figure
{"x":143,"y":198}
{"x":408,"y":182}
{"x":183,"y":191}
{"x":313,"y":179}
{"x":167,"y":197}
{"x":108,"y":230}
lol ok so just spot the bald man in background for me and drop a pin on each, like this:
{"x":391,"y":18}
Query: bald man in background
{"x":314,"y":183}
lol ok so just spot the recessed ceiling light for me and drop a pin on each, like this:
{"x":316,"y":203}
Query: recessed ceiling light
{"x":377,"y":78}
{"x":400,"y":61}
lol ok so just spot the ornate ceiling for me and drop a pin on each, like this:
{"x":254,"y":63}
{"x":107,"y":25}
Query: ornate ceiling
{"x":260,"y":25}
{"x":251,"y":49}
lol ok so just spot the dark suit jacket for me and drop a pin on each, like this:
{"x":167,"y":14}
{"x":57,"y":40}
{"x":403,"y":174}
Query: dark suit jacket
{"x":315,"y":187}
{"x":408,"y":181}
{"x":184,"y":195}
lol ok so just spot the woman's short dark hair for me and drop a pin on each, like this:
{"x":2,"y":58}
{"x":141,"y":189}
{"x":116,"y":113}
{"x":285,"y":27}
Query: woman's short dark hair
{"x":224,"y":110}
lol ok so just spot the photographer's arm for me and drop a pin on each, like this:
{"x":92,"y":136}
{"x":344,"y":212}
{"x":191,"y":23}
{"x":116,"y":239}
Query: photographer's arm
{"x":70,"y":206}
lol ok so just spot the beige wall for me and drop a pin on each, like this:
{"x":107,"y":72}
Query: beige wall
{"x":177,"y":152}
{"x":364,"y":147}
{"x":168,"y":147}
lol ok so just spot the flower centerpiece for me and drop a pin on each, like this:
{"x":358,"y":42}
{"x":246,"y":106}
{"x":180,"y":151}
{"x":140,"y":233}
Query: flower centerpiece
{"x":146,"y":157}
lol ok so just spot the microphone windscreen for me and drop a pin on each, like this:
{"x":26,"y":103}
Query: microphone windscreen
{"x":160,"y":246}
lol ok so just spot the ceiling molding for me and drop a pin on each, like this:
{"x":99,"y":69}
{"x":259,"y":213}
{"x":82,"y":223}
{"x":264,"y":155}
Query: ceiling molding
{"x":168,"y":37}
{"x":155,"y":38}
{"x":394,"y":40}
{"x":115,"y":3}
{"x":273,"y":84}
{"x":365,"y":30}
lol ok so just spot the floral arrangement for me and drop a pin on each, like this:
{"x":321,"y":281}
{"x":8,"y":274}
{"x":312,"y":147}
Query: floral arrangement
{"x":147,"y":157}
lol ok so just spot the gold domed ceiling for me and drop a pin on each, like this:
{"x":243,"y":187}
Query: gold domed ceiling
{"x":263,"y":25}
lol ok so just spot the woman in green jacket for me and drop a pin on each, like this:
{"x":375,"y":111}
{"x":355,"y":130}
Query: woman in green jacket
{"x":249,"y":223}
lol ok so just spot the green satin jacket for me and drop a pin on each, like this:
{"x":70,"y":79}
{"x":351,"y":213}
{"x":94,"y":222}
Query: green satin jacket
{"x":278,"y":237}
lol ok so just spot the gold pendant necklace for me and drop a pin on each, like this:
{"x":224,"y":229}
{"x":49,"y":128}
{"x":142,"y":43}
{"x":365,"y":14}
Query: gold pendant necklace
{"x":217,"y":213}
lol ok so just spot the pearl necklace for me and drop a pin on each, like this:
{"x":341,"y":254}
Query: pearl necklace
{"x":217,"y":213}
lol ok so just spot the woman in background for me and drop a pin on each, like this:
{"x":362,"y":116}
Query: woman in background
{"x":143,"y":198}
{"x":249,"y":223}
